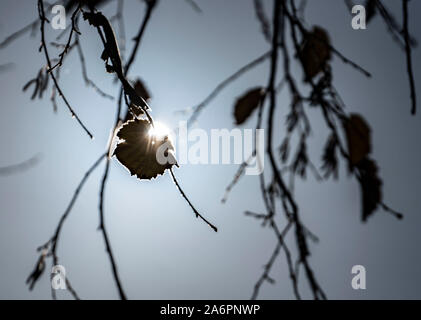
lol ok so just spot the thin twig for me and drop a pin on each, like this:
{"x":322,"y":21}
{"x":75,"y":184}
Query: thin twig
{"x":150,"y":6}
{"x":87,"y":80}
{"x":408,"y":56}
{"x":198,"y":215}
{"x":197,"y":109}
{"x":105,"y":234}
{"x":52,"y":243}
{"x":68,"y":44}
{"x":43,"y":19}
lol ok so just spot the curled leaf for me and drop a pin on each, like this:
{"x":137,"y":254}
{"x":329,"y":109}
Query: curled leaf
{"x":371,"y":185}
{"x":141,"y":91}
{"x":246,"y":104}
{"x":358,"y":136}
{"x":143,"y":152}
{"x":315,"y":52}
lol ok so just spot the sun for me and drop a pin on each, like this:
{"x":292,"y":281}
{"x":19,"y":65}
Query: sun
{"x":159,"y":130}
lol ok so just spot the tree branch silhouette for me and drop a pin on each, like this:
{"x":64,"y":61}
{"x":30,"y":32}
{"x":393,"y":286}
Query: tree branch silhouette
{"x":43,"y":19}
{"x":408,"y":56}
{"x":50,"y":247}
{"x":287,"y":27}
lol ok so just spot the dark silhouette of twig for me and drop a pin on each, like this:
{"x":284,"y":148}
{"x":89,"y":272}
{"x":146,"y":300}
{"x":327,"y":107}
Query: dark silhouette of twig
{"x":244,"y":165}
{"x":50,"y":247}
{"x":394,"y":29}
{"x":117,"y":65}
{"x":105,"y":234}
{"x":150,"y":6}
{"x":237,"y":176}
{"x":55,"y":238}
{"x":69,"y":41}
{"x":408,"y":56}
{"x":87,"y":80}
{"x":300,"y":237}
{"x":265,"y":275}
{"x":43,"y":19}
{"x":198,"y":215}
{"x":386,"y":208}
{"x":37,"y":271}
{"x":264,"y":23}
{"x":268,"y":266}
{"x":402,"y":37}
{"x":122,"y":30}
{"x":197,"y":109}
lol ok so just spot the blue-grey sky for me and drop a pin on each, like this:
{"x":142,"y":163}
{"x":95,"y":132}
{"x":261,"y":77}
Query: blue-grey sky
{"x":162,"y":251}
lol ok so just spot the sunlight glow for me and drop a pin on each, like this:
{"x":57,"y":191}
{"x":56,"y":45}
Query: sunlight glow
{"x":159,"y":130}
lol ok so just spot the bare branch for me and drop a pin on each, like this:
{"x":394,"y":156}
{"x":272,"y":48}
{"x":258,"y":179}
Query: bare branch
{"x":198,"y":215}
{"x":43,"y":19}
{"x":408,"y":56}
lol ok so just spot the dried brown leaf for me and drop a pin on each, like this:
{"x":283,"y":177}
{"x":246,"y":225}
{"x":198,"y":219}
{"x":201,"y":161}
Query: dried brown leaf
{"x":143,"y":92}
{"x":138,"y":150}
{"x":371,"y":187}
{"x":358,"y":136}
{"x":246,"y":104}
{"x":315,"y":52}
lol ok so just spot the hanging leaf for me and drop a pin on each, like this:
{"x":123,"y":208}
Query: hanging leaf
{"x":139,"y":150}
{"x":315,"y":52}
{"x":246,"y":104}
{"x":371,"y":185}
{"x":358,"y":135}
{"x":141,"y":90}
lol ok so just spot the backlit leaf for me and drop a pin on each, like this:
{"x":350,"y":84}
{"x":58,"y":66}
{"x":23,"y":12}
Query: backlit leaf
{"x":138,"y":150}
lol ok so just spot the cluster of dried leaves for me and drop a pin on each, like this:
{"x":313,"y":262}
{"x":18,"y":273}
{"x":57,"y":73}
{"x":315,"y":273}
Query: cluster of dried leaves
{"x":349,"y":137}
